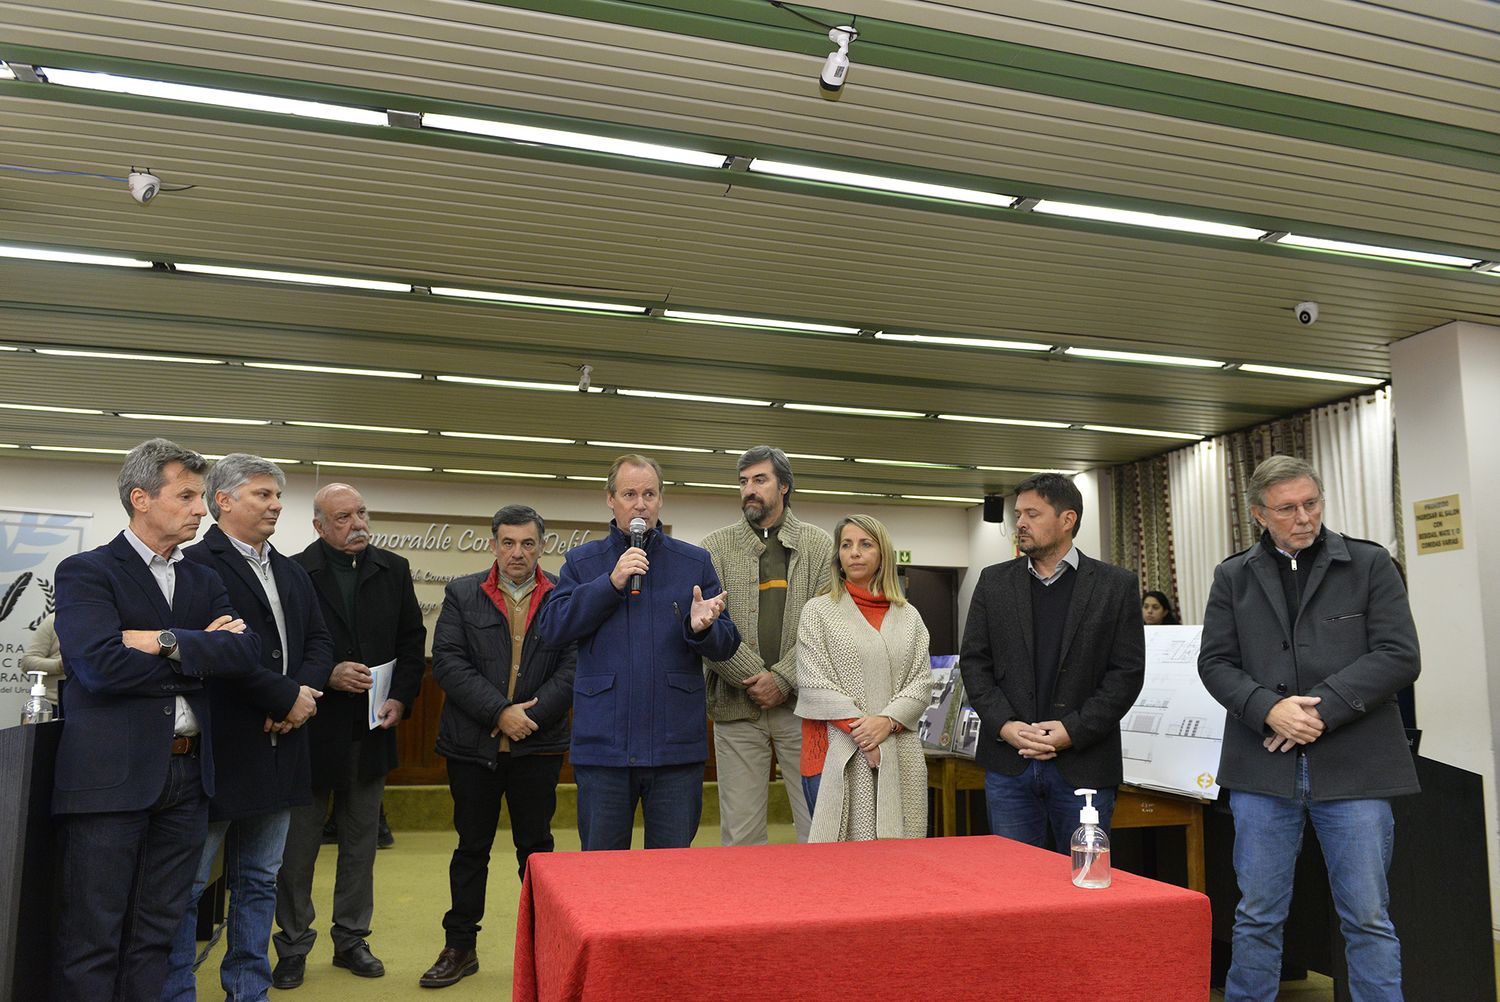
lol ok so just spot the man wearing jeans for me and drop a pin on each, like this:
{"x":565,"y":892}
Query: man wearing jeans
{"x":1306,"y":641}
{"x":1054,"y":655}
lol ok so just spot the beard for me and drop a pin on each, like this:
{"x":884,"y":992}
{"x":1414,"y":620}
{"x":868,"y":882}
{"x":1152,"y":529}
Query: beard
{"x":754,"y":508}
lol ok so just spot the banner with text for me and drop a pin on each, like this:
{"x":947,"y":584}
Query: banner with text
{"x":32,"y":544}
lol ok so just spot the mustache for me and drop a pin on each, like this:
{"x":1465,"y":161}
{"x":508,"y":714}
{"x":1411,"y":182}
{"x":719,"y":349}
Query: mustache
{"x":359,"y":534}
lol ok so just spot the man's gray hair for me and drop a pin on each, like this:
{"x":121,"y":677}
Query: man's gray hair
{"x":235,"y":471}
{"x":780,"y":465}
{"x":640,"y":462}
{"x":145,"y":463}
{"x":1278,"y":470}
{"x":518,"y":514}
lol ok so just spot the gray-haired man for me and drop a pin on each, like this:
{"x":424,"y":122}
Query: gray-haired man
{"x":771,"y":563}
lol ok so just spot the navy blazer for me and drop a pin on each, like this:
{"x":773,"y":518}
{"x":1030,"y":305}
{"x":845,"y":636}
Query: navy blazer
{"x":255,"y":774}
{"x":119,"y":703}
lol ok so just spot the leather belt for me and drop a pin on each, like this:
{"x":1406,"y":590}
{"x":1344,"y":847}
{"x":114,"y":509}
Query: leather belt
{"x":184,"y":744}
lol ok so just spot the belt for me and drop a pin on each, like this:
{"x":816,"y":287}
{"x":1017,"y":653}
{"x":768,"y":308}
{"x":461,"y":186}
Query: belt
{"x":184,"y":744}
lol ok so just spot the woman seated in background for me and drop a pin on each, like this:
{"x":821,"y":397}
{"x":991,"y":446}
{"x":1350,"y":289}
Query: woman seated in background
{"x":1156,"y":610}
{"x":863,"y":680}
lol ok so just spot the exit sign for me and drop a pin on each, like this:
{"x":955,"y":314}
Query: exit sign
{"x":903,"y":556}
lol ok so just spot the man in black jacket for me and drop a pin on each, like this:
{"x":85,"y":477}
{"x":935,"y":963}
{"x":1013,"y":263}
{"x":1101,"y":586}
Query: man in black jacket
{"x":505,"y":722}
{"x":257,"y":741}
{"x":1054,"y":655}
{"x":371,"y":609}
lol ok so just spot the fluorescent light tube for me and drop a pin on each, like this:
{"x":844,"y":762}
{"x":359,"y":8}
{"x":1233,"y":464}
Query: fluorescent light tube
{"x":1018,"y":422}
{"x":279,"y":462}
{"x":877,"y":183}
{"x":358,"y":427}
{"x":502,"y":473}
{"x":940,"y":497}
{"x":80,"y":448}
{"x":857,"y":411}
{"x":70,"y":257}
{"x":963,"y":342}
{"x":716,"y":487}
{"x":212,"y":96}
{"x":574,"y":140}
{"x":515,"y":299}
{"x":297,"y":278}
{"x":911,"y":463}
{"x":7,"y":445}
{"x":1025,"y":469}
{"x":728,"y":320}
{"x":334,"y":370}
{"x":48,"y":409}
{"x":592,"y":480}
{"x":506,"y":438}
{"x":1130,"y":217}
{"x":695,"y":397}
{"x":127,"y":356}
{"x":372,"y":466}
{"x":1370,"y":250}
{"x":1146,"y":358}
{"x":1332,"y":377}
{"x":1148,"y":432}
{"x":511,"y":384}
{"x":845,"y":494}
{"x":648,"y":448}
{"x":193,"y":419}
{"x":814,"y":455}
{"x":5,"y":72}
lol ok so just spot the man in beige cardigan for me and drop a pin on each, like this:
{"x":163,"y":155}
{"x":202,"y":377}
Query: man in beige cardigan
{"x":770,"y":563}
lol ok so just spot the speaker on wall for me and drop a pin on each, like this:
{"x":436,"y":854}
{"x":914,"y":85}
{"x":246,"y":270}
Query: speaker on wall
{"x":994,"y":507}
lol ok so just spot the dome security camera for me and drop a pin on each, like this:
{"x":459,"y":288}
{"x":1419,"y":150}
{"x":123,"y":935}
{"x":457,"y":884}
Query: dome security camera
{"x":144,"y":186}
{"x":836,"y":66}
{"x":1307,"y":313}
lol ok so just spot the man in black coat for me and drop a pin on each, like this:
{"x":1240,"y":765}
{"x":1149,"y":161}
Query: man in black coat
{"x":1054,"y":654}
{"x":505,"y":722}
{"x":371,"y":609}
{"x":257,"y":741}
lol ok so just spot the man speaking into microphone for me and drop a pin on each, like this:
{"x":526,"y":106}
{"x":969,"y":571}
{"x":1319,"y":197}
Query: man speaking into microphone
{"x":645,"y":610}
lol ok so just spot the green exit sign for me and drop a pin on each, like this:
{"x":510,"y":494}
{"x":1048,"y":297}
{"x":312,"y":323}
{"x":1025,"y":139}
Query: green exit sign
{"x":903,"y":556}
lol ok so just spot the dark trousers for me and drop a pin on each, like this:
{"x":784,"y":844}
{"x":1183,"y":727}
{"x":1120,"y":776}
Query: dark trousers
{"x":126,"y":878}
{"x":671,"y":799}
{"x":528,"y":784}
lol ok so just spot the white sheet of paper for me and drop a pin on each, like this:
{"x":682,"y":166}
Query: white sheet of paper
{"x":380,"y":691}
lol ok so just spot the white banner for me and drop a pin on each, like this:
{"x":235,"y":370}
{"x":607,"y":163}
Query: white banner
{"x":32,"y":544}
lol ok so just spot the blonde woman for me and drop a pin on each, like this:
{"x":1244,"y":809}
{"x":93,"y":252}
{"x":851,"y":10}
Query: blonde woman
{"x":863,"y":679}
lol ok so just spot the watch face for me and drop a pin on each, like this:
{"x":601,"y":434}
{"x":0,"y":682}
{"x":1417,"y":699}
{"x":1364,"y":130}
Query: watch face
{"x":167,"y":639}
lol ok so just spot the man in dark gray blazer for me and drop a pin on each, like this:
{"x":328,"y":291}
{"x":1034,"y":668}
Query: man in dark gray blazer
{"x":1306,"y":641}
{"x":1054,"y":655}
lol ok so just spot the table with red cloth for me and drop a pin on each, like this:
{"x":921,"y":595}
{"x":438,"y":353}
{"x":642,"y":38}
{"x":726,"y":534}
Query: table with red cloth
{"x":938,"y":918}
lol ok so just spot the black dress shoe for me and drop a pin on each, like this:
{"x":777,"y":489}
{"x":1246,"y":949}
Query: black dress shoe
{"x":383,"y":837}
{"x":451,"y":967}
{"x":358,"y":960}
{"x":289,"y":972}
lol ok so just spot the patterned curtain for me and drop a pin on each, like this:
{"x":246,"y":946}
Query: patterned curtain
{"x":1141,"y":517}
{"x":1288,"y":436}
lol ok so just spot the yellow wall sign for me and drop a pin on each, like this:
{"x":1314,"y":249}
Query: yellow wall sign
{"x":1440,"y":525}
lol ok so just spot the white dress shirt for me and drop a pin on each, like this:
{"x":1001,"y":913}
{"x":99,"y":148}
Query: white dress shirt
{"x":164,"y":570}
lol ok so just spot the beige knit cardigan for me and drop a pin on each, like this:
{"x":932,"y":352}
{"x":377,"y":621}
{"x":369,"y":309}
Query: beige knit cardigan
{"x":846,"y":668}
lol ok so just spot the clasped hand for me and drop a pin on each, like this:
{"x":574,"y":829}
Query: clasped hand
{"x":1296,"y":721}
{"x":1041,"y":741}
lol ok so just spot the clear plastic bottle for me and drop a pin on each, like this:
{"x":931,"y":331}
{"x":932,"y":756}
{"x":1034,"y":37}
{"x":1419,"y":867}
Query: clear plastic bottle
{"x":1090,"y":846}
{"x":38,"y":709}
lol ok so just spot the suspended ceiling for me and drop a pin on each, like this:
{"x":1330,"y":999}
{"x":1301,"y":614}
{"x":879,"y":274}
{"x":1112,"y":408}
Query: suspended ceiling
{"x":1373,"y":123}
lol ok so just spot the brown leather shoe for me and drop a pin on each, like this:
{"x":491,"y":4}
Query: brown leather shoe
{"x":451,"y":967}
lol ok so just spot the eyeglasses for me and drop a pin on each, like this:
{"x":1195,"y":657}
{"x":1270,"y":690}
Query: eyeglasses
{"x":1309,"y":508}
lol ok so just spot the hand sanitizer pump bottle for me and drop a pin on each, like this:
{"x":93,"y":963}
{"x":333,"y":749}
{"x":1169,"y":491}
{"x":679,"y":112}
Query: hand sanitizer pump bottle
{"x":38,"y":709}
{"x":1090,"y":846}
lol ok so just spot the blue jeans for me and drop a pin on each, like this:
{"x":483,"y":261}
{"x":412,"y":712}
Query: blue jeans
{"x":810,"y":786}
{"x":671,"y":799}
{"x":252,"y":858}
{"x":1357,"y":837}
{"x":1021,"y":806}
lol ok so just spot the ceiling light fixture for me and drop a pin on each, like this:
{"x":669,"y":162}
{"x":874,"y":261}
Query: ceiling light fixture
{"x":843,"y":494}
{"x":1332,"y":377}
{"x":49,"y":409}
{"x":502,"y":473}
{"x":550,"y":302}
{"x":1146,"y":358}
{"x":1129,"y":217}
{"x":296,"y":278}
{"x":911,"y":463}
{"x":716,"y":487}
{"x":194,"y":419}
{"x":5,"y":71}
{"x":875,"y":182}
{"x":1025,"y":469}
{"x":730,"y":320}
{"x":573,"y":140}
{"x":373,"y":466}
{"x":856,"y":411}
{"x":963,"y":342}
{"x":1018,"y":422}
{"x":127,"y":356}
{"x":511,"y":384}
{"x":140,"y":87}
{"x":694,"y":397}
{"x":80,"y":448}
{"x":814,"y":455}
{"x":334,"y":370}
{"x":1147,"y":432}
{"x":279,"y":462}
{"x":940,"y":497}
{"x":1371,"y":250}
{"x":70,"y":257}
{"x":592,"y":480}
{"x":358,"y":427}
{"x":492,"y":436}
{"x":647,"y":448}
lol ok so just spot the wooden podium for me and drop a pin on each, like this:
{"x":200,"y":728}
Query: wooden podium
{"x":28,"y":892}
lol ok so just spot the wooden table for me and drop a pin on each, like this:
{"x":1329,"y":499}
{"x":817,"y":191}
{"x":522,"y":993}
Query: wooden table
{"x":1134,"y":808}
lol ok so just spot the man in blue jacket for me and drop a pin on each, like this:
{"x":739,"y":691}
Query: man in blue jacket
{"x":644,"y":618}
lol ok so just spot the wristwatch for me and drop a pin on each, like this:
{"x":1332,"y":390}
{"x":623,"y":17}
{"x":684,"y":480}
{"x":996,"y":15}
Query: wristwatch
{"x":168,"y":641}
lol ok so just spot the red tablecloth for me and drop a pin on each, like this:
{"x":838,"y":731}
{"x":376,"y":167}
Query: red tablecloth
{"x":940,"y":919}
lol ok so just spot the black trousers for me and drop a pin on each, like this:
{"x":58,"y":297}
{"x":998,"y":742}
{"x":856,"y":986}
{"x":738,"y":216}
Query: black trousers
{"x":528,"y":783}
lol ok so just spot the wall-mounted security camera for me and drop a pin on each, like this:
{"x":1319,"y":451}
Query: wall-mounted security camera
{"x":836,"y":66}
{"x":1307,"y":313}
{"x":144,"y":186}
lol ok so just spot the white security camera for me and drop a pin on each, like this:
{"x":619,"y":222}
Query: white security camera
{"x":1307,"y":313}
{"x":144,"y":186}
{"x":836,"y":66}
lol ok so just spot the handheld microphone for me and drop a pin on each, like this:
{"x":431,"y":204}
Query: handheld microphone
{"x":637,"y":539}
